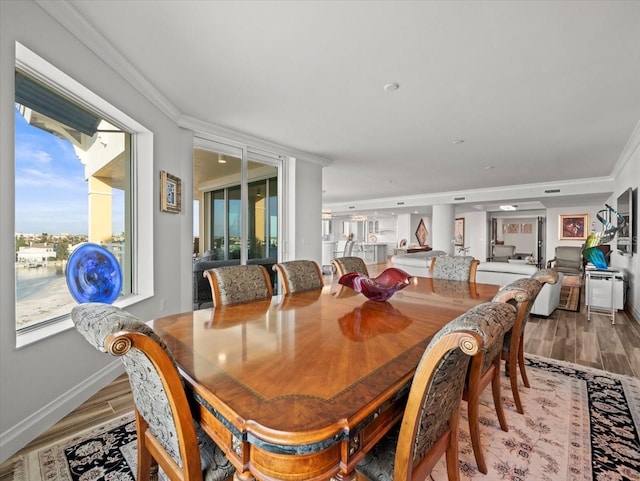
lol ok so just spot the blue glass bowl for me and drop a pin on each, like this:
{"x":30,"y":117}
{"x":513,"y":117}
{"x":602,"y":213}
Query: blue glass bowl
{"x":93,"y":274}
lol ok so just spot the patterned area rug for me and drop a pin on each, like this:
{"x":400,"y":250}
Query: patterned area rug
{"x":104,"y":453}
{"x":579,"y":424}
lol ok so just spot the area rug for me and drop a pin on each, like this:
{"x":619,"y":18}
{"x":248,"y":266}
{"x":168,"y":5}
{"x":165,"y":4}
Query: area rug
{"x":579,"y":424}
{"x":107,"y":452}
{"x":570,"y":293}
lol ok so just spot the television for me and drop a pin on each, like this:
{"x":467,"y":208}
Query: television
{"x":627,"y":234}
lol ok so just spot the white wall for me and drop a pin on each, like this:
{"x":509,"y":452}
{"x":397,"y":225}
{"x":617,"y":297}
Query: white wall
{"x":43,"y":381}
{"x":629,"y":176}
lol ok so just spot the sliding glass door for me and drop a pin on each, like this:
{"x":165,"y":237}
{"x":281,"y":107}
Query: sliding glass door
{"x":236,"y":204}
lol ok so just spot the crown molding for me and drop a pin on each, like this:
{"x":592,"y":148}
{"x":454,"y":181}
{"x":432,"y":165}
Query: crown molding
{"x":67,"y":16}
{"x":627,"y":153}
{"x":523,"y":192}
{"x":207,"y":129}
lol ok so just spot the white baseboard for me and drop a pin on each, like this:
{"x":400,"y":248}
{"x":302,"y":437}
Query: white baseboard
{"x":21,"y":434}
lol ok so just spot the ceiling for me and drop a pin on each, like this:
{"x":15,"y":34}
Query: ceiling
{"x":539,"y":92}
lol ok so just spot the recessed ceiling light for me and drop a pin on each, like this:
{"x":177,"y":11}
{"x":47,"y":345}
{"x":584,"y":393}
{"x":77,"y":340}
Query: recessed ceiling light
{"x":508,"y":207}
{"x":488,"y":167}
{"x":458,"y":142}
{"x":392,"y":87}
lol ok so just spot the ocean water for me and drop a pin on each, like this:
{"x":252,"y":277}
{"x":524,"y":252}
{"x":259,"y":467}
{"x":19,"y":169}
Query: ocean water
{"x":34,"y":280}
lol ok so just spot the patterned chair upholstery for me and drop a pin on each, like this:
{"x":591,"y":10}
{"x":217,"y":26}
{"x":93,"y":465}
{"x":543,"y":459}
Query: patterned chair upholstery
{"x":430,"y":422}
{"x":236,"y":284}
{"x":344,"y":265}
{"x":484,"y":369}
{"x":297,"y":276}
{"x":166,"y":437}
{"x":522,"y":293}
{"x":454,"y":268}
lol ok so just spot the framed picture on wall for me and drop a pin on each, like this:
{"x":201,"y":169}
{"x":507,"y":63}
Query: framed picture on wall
{"x":573,"y":226}
{"x":458,"y":231}
{"x":422,"y":233}
{"x":170,"y":193}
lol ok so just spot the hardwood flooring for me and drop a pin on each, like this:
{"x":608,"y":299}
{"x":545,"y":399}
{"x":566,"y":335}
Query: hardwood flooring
{"x":565,"y":335}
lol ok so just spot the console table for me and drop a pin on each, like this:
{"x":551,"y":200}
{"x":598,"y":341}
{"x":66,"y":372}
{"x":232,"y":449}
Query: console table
{"x":605,"y":289}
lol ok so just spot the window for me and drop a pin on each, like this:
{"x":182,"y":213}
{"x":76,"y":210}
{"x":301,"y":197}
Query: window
{"x":74,"y":174}
{"x":237,"y":195}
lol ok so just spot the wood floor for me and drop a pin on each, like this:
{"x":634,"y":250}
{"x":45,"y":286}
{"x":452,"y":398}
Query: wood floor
{"x":565,"y":335}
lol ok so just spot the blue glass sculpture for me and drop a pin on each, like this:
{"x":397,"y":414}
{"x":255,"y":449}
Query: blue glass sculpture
{"x":590,"y":250}
{"x":93,"y":274}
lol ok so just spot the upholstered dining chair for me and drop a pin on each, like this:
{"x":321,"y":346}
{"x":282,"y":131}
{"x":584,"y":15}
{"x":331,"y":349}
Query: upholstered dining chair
{"x":484,"y":369}
{"x":523,"y":293}
{"x":344,"y":265}
{"x":429,"y":426}
{"x":301,"y":275}
{"x":454,"y":268}
{"x":236,"y":284}
{"x":167,"y":434}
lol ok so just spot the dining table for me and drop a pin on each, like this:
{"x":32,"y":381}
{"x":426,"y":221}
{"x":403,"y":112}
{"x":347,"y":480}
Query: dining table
{"x":302,"y":386}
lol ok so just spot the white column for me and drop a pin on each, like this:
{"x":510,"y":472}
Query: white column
{"x":442,"y":224}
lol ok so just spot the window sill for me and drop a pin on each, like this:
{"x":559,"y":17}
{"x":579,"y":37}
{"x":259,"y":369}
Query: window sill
{"x":25,"y":338}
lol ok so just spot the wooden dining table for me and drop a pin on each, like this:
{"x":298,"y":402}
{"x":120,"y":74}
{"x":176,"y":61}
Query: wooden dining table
{"x":302,"y":386}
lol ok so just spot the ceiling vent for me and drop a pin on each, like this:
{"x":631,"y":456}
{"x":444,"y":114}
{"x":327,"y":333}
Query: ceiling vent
{"x":552,"y":191}
{"x":399,"y":203}
{"x":459,"y":198}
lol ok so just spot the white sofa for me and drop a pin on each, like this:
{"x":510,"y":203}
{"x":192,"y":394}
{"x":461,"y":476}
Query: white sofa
{"x":503,"y":273}
{"x":416,"y":263}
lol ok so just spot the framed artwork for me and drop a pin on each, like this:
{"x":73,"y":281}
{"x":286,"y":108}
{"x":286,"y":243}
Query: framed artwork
{"x":458,"y":232}
{"x":422,"y":233}
{"x":527,"y":229}
{"x":513,"y":228}
{"x":573,"y":226}
{"x":170,"y":193}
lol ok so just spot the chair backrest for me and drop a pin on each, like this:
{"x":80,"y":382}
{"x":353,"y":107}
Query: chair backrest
{"x":522,"y":293}
{"x":454,"y":268}
{"x":568,"y":258}
{"x":344,"y":265}
{"x":302,"y":275}
{"x":348,"y":248}
{"x":236,"y":284}
{"x":502,"y":253}
{"x":433,"y":404}
{"x":157,"y":389}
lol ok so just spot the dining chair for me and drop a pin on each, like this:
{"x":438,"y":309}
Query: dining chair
{"x":167,"y":434}
{"x":454,"y":268}
{"x":523,"y":293}
{"x":236,"y":284}
{"x":484,"y":368}
{"x":344,"y":265}
{"x":301,"y":275}
{"x":429,"y":426}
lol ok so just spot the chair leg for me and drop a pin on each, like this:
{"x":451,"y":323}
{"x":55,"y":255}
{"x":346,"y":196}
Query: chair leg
{"x":497,"y":399}
{"x":523,"y":372}
{"x":474,"y":430}
{"x":513,"y":378}
{"x":145,"y":460}
{"x":452,"y":457}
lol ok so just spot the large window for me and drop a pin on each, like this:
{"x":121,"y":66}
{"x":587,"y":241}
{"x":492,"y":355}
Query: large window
{"x":74,"y":174}
{"x":237,"y":204}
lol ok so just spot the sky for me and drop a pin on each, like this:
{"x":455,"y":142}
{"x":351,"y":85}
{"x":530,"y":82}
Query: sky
{"x":51,"y":191}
